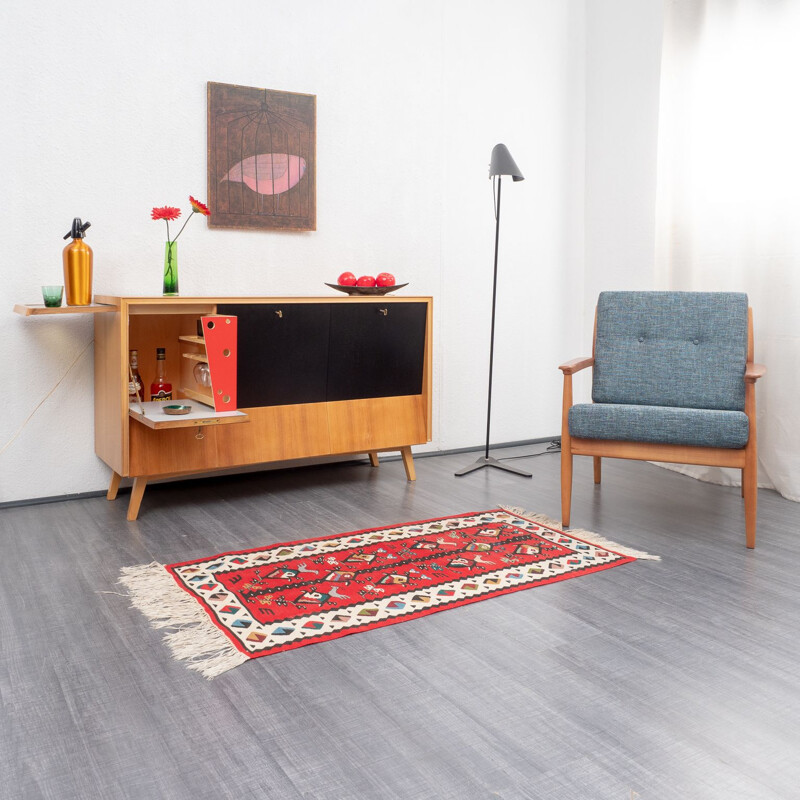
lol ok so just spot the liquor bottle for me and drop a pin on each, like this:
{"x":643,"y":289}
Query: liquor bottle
{"x":161,"y":388}
{"x":135,"y":384}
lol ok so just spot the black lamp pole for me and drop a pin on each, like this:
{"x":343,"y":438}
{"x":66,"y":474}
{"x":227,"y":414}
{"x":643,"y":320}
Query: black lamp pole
{"x":501,"y":164}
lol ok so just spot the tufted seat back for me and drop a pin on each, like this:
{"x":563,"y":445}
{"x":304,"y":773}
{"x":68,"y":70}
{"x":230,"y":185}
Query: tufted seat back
{"x":674,"y":349}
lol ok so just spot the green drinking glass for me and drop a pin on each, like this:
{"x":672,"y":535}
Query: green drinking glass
{"x":52,"y":296}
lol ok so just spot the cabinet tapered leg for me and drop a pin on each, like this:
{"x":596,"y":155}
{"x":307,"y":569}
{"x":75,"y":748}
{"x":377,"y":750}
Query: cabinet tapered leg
{"x":113,"y":487}
{"x":408,"y":463}
{"x":373,"y":459}
{"x":136,"y":497}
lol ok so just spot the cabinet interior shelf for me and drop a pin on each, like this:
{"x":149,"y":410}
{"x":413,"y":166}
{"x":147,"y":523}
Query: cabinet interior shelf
{"x":208,"y":399}
{"x":196,"y":356}
{"x":193,"y":339}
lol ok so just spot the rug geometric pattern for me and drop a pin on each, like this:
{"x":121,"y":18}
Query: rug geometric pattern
{"x":285,"y":596}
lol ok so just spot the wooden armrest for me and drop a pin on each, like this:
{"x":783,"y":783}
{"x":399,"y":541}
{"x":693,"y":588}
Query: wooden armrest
{"x":576,"y":365}
{"x":753,"y":372}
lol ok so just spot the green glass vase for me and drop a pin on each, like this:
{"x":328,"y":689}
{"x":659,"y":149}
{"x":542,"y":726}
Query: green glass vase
{"x":170,"y":269}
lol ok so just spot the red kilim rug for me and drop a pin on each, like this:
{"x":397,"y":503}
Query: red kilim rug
{"x":232,"y":607}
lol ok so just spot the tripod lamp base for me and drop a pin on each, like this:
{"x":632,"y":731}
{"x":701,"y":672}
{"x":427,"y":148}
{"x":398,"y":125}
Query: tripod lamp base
{"x":488,"y":461}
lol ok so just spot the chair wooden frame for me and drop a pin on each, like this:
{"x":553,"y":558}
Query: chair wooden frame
{"x":745,"y":458}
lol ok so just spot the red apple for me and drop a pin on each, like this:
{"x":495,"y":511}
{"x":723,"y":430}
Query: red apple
{"x":385,"y":279}
{"x":365,"y":280}
{"x":347,"y":279}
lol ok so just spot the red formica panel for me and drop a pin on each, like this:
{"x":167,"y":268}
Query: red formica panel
{"x":220,"y":334}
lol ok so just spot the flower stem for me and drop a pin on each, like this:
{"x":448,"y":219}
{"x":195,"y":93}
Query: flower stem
{"x":183,"y":226}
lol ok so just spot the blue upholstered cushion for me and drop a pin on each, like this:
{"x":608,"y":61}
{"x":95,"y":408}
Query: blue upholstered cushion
{"x":637,"y":423}
{"x":682,"y":349}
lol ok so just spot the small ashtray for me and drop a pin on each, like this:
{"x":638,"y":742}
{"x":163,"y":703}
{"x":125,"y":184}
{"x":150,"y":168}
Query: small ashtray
{"x":177,"y":410}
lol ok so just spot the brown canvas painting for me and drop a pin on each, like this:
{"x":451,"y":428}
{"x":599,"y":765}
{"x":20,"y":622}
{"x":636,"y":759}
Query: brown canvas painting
{"x":261,"y":158}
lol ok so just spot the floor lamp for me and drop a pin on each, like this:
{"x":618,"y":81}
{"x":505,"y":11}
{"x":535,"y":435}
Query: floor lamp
{"x":501,"y":164}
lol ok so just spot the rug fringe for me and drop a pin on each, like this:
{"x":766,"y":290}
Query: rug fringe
{"x":196,"y":640}
{"x":588,"y":536}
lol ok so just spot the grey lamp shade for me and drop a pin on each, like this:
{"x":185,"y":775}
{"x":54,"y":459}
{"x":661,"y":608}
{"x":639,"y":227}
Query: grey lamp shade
{"x":503,"y":164}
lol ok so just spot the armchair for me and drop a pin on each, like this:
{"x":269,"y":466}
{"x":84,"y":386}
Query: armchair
{"x":673,"y":380}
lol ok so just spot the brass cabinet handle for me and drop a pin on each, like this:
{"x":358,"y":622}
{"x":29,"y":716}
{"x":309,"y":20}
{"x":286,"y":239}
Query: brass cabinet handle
{"x":384,"y":311}
{"x":279,"y":314}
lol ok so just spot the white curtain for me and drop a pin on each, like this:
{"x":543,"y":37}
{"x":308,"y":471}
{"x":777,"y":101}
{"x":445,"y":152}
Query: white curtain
{"x":728,"y":199}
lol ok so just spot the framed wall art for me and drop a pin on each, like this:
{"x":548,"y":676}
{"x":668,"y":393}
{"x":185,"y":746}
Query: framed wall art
{"x":261,"y":158}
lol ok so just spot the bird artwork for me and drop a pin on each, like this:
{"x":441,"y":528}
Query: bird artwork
{"x":261,"y":158}
{"x":268,"y":173}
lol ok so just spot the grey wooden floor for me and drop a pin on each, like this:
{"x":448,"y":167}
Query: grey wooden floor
{"x":671,"y":679}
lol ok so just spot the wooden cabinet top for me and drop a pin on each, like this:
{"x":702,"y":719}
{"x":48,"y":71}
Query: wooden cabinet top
{"x":158,"y":300}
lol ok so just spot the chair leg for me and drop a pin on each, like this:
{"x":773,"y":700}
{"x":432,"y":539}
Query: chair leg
{"x":566,"y":483}
{"x":597,"y":468}
{"x":750,"y":494}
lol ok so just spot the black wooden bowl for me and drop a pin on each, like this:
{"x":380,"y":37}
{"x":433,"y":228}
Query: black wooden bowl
{"x":373,"y":290}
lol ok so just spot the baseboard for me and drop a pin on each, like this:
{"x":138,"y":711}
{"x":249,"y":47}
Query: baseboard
{"x":35,"y":501}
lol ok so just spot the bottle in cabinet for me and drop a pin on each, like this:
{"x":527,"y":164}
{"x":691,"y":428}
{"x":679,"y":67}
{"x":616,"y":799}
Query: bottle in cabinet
{"x":135,"y":383}
{"x":161,"y":388}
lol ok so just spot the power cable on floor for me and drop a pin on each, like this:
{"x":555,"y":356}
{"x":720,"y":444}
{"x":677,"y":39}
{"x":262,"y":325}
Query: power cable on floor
{"x":553,"y":447}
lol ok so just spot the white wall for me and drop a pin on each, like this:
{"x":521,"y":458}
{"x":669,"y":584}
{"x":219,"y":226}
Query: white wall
{"x":623,"y":68}
{"x":540,"y":119}
{"x":105,"y":117}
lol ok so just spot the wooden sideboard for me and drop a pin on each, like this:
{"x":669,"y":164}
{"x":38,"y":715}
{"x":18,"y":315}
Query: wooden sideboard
{"x":316,"y":377}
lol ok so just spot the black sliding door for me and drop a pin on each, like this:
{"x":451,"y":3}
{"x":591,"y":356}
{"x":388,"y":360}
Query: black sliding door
{"x":376,"y":350}
{"x":282,"y":352}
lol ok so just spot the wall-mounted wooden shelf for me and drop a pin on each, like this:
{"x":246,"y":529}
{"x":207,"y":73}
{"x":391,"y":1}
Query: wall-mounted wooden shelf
{"x":35,"y":310}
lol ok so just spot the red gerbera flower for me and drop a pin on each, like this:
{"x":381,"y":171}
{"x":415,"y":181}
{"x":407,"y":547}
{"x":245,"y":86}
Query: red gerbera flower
{"x":169,"y":213}
{"x":198,"y":207}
